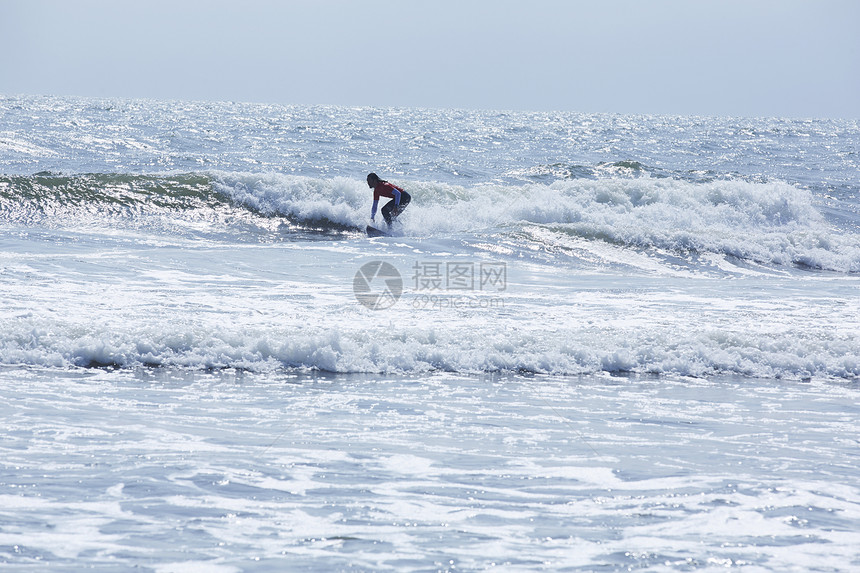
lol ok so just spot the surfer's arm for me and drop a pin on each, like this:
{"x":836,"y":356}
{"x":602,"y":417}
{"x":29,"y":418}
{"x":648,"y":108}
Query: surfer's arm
{"x":373,"y":209}
{"x":396,"y":197}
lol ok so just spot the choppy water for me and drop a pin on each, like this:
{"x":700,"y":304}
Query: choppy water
{"x":616,"y":342}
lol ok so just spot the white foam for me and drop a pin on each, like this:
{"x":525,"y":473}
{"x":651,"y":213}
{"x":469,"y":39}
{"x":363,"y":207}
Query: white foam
{"x":772,"y":223}
{"x":339,"y":200}
{"x":503,"y":344}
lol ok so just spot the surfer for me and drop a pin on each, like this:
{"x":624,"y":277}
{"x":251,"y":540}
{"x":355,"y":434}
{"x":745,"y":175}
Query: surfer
{"x":399,"y":198}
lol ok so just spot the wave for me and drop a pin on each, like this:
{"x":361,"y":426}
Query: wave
{"x":771,"y":223}
{"x":748,"y":350}
{"x":47,"y":194}
{"x":625,"y":169}
{"x":215,"y":203}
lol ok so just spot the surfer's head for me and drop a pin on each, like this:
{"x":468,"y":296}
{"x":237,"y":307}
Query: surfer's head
{"x":372,"y":179}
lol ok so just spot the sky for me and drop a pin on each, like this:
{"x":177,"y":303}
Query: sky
{"x":787,"y":58}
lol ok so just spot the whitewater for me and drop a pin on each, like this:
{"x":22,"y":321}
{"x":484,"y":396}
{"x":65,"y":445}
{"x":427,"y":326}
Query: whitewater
{"x":592,"y":342}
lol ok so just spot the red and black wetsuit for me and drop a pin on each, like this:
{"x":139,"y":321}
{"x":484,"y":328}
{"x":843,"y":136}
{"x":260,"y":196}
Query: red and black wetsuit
{"x":399,"y":199}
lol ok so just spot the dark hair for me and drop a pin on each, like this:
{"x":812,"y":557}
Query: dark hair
{"x":373,"y":176}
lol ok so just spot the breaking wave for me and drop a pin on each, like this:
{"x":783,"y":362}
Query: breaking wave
{"x":354,"y":347}
{"x":771,"y":223}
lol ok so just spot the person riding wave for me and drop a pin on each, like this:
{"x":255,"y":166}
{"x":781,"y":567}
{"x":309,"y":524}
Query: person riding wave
{"x":399,"y":198}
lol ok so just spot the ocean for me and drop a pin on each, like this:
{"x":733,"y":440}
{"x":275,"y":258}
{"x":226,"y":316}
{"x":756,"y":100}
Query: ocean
{"x":592,"y":342}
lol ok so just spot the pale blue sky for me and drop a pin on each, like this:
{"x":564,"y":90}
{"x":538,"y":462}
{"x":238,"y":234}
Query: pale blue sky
{"x":704,"y":57}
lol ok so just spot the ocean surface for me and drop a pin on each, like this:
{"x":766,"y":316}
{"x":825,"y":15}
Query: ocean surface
{"x":592,"y":342}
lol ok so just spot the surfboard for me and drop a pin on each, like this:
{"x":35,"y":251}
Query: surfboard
{"x":374,"y":232}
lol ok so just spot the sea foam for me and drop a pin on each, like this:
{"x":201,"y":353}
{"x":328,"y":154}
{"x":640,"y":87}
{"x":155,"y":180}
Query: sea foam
{"x":771,"y":223}
{"x":489,"y":344}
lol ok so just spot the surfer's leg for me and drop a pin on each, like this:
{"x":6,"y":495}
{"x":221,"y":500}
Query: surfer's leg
{"x":395,"y":211}
{"x":405,"y":198}
{"x":386,"y":211}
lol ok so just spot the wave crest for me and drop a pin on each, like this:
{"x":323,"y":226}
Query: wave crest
{"x":770,"y":223}
{"x":691,"y":351}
